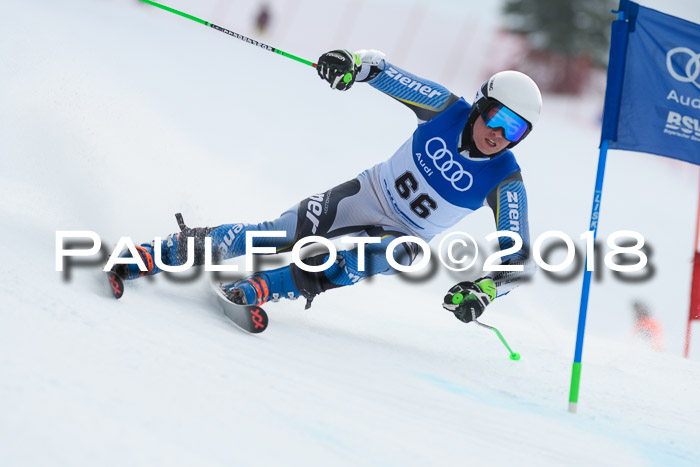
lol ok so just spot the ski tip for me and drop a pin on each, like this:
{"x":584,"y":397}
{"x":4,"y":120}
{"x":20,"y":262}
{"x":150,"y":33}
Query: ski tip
{"x":250,"y":318}
{"x":258,"y":319}
{"x":116,"y":284}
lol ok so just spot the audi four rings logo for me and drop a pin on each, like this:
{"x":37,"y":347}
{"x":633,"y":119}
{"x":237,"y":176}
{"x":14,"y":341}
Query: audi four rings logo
{"x":451,"y":170}
{"x":692,"y":68}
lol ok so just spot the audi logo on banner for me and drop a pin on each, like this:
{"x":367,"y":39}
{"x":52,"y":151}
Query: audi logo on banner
{"x":444,"y":161}
{"x":692,"y":67}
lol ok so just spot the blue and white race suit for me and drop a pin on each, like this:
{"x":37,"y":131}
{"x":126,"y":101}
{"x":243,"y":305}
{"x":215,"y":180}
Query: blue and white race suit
{"x":425,"y":188}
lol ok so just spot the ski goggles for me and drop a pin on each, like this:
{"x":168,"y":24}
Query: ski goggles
{"x":496,"y":115}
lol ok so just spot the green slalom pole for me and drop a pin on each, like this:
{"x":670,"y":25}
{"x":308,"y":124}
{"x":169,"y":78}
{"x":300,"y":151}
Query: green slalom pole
{"x":230,"y":33}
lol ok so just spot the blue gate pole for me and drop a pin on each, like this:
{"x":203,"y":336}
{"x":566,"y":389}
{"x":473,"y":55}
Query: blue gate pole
{"x":583,"y":309}
{"x":613,"y":94}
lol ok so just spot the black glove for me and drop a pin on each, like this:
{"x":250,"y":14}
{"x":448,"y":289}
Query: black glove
{"x":339,"y":68}
{"x":468,"y":300}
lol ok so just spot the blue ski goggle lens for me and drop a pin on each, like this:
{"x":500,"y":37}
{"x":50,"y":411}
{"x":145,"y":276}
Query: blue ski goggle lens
{"x":499,"y":116}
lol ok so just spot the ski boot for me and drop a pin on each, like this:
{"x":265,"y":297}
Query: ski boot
{"x":262,"y":287}
{"x":132,"y":271}
{"x":145,"y":251}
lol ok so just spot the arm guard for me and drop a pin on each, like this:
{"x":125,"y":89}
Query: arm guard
{"x":426,"y":98}
{"x":509,"y":205}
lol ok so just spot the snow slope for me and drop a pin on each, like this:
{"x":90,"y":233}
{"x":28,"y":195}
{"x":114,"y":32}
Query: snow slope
{"x":115,"y":115}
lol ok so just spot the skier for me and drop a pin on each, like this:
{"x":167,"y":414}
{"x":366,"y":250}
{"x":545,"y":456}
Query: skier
{"x":456,"y":161}
{"x":262,"y":19}
{"x":646,"y":327}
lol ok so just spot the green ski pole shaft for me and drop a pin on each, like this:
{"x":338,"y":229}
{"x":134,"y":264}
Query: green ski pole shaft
{"x":513,"y":355}
{"x":459,"y":298}
{"x":230,"y":33}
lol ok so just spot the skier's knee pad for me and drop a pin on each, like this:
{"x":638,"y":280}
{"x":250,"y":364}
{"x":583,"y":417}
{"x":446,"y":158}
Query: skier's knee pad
{"x":345,"y":269}
{"x":310,"y":284}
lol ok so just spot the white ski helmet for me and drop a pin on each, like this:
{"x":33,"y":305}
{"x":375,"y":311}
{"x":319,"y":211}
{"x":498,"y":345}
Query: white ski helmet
{"x":517,"y":91}
{"x":509,"y":100}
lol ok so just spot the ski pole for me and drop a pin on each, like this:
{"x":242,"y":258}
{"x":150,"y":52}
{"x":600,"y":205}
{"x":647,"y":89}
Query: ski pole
{"x":230,"y":33}
{"x":513,"y":355}
{"x":459,"y":298}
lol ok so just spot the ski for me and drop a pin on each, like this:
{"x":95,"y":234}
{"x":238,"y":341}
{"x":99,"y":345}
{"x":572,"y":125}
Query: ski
{"x":250,"y":318}
{"x":116,"y":284}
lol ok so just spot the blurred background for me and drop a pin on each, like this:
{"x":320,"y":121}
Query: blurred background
{"x":560,"y":43}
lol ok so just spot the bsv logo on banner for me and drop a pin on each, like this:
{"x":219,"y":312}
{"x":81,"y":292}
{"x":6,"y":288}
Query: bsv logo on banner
{"x":444,"y":161}
{"x":692,"y":67}
{"x":684,"y":126}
